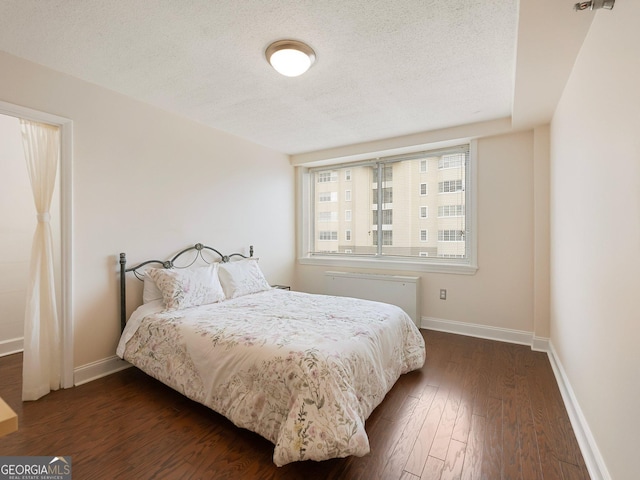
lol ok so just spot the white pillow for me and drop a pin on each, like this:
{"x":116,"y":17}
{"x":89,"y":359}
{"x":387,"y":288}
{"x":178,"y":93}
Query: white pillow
{"x":150,"y":291}
{"x":189,"y":287}
{"x":242,"y":277}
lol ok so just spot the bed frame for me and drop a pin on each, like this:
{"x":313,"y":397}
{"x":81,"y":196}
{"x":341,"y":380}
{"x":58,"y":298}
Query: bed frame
{"x":138,"y":270}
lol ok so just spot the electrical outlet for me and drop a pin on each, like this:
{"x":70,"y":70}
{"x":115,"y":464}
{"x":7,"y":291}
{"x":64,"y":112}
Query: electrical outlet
{"x":443,"y":294}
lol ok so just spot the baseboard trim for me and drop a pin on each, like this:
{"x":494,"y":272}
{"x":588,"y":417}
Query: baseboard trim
{"x":590,"y":452}
{"x":480,"y":331}
{"x":9,"y":347}
{"x":98,"y":369}
{"x":539,"y":344}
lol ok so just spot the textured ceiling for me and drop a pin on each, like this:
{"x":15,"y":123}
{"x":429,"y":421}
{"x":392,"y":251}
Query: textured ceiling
{"x":384,"y":68}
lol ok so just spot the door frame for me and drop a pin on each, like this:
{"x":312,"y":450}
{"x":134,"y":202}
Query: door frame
{"x":66,"y":226}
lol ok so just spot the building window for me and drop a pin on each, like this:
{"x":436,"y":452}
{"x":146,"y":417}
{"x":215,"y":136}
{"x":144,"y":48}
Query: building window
{"x":387,"y":173}
{"x":387,"y":217}
{"x":387,"y":195}
{"x":324,"y":177}
{"x":455,"y":160}
{"x":379,"y":226}
{"x":328,"y":197}
{"x":450,"y":186}
{"x":327,"y":216}
{"x":450,"y":236}
{"x":387,"y":238}
{"x":451,"y":211}
{"x":327,"y":235}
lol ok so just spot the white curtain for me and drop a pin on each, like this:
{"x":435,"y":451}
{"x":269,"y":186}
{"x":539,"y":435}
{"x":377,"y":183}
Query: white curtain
{"x":42,"y":354}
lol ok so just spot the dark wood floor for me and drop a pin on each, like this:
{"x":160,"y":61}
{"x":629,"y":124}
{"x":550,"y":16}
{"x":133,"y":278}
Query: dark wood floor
{"x":478,"y":409}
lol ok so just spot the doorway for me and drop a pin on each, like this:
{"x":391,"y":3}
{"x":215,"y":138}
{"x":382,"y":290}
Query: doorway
{"x":17,"y":226}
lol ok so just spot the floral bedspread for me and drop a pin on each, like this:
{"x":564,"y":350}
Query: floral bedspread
{"x":304,"y":371}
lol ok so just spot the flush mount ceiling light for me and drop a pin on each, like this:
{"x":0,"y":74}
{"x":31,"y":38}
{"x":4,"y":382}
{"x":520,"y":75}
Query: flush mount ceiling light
{"x":290,"y":57}
{"x":595,"y":5}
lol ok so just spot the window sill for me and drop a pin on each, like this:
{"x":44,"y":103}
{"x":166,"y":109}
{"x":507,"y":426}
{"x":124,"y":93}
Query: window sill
{"x":390,"y":264}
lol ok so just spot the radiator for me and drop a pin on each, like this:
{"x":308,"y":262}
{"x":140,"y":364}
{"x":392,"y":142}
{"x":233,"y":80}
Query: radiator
{"x":394,"y":289}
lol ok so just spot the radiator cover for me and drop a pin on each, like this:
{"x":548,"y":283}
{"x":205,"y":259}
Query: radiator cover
{"x":397,"y":290}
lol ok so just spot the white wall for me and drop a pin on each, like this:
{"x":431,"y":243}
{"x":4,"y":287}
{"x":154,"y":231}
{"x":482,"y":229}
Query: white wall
{"x":17,"y":224}
{"x":500,"y":294}
{"x":147,"y":183}
{"x":595,"y":235}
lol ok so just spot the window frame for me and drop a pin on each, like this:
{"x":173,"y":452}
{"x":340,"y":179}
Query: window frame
{"x":305,"y":224}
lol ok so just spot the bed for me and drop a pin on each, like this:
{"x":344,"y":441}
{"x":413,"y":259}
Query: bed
{"x":302,"y":370}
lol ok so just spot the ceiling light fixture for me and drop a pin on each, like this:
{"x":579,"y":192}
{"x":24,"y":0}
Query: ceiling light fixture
{"x":290,"y":57}
{"x":594,"y":5}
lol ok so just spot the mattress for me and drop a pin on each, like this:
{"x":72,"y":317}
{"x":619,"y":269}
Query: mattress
{"x":304,"y":371}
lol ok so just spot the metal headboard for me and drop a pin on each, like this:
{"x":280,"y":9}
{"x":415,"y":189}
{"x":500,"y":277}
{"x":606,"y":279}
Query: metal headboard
{"x":136,"y":269}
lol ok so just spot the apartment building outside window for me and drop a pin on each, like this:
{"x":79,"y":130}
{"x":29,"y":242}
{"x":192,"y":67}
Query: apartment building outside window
{"x":380,"y":221}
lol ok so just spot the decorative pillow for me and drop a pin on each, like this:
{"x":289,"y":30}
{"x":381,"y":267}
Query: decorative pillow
{"x":189,"y":287}
{"x":150,"y":291}
{"x":242,"y":277}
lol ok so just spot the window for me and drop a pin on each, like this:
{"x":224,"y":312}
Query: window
{"x":378,"y":225}
{"x":387,"y":195}
{"x":387,"y":217}
{"x":449,"y":186}
{"x":451,"y":211}
{"x":450,"y":236}
{"x":327,"y":177}
{"x":455,"y":160}
{"x":327,"y":235}
{"x":387,"y":238}
{"x":328,"y":197}
{"x":327,"y":216}
{"x":387,"y":174}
